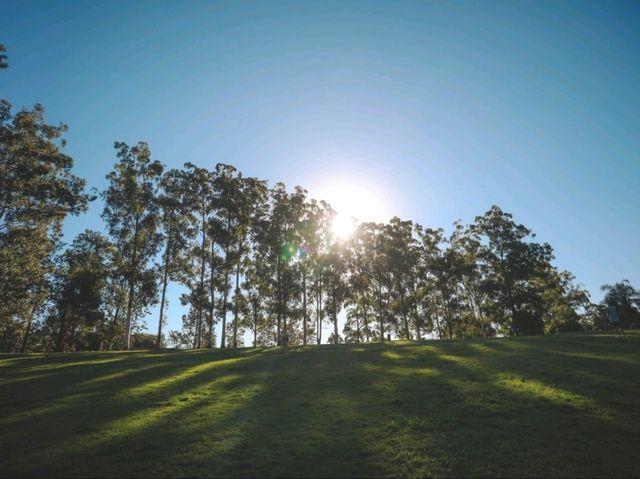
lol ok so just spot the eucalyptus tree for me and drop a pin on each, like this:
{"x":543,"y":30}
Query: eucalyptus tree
{"x":510,"y":264}
{"x":79,"y":291}
{"x":250,"y":209}
{"x":176,"y":219}
{"x":255,"y":304}
{"x":312,"y":233}
{"x":335,"y":281}
{"x":228,"y":191}
{"x":200,"y":205}
{"x":282,"y":237}
{"x":402,"y":260}
{"x":37,"y":192}
{"x":565,"y":305}
{"x":131,"y":211}
{"x":376,"y":267}
{"x":465,"y":242}
{"x":359,"y":293}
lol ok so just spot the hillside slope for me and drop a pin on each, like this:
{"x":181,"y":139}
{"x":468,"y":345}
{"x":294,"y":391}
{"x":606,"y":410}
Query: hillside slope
{"x":565,"y":405}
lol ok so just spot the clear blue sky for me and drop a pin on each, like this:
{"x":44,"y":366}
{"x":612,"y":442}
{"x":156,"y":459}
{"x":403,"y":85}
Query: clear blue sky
{"x":444,"y":107}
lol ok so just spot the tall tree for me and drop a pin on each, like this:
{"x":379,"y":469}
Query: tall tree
{"x":201,"y":203}
{"x":37,"y":191}
{"x":80,"y":290}
{"x":510,"y":264}
{"x":176,"y":219}
{"x":250,"y":208}
{"x":131,"y":211}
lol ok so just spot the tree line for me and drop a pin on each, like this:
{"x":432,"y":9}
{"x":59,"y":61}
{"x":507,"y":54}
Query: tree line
{"x":259,"y":260}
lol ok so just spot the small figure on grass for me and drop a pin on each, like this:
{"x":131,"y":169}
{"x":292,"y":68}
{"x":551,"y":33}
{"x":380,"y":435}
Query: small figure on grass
{"x":614,"y":320}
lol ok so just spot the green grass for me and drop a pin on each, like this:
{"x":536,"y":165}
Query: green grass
{"x":565,"y":405}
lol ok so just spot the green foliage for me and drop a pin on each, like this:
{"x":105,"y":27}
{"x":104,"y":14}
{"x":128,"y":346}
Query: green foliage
{"x":3,"y":57}
{"x":560,"y":405}
{"x":37,"y":191}
{"x":79,"y":291}
{"x":131,"y":213}
{"x":626,"y":299}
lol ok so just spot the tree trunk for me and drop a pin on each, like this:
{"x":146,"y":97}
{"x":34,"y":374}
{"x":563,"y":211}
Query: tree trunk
{"x":304,"y":306}
{"x":132,"y":286}
{"x":279,"y":312}
{"x":405,"y":321}
{"x":335,"y":314}
{"x":72,"y":337}
{"x":418,"y":321}
{"x":223,"y":342}
{"x":61,"y":336}
{"x":319,"y":314}
{"x":212,"y":296}
{"x":357,"y":324}
{"x":235,"y":306}
{"x":165,"y":280}
{"x":382,"y":312}
{"x":365,"y":319}
{"x":255,"y":325}
{"x":197,"y":340}
{"x":26,"y":335}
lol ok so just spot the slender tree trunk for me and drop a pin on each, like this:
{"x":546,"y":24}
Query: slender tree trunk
{"x":304,"y":306}
{"x":365,"y":319}
{"x":223,"y":342}
{"x":335,"y":314}
{"x":212,"y":295}
{"x":26,"y":335}
{"x":237,"y":297}
{"x":382,"y":313}
{"x":279,"y":311}
{"x":73,"y":337}
{"x":319,"y":313}
{"x":203,"y":264}
{"x":132,"y":286}
{"x":255,"y":325}
{"x":357,"y":324}
{"x":405,"y":322}
{"x":165,"y":280}
{"x":418,"y":321}
{"x":61,"y":336}
{"x":285,"y":309}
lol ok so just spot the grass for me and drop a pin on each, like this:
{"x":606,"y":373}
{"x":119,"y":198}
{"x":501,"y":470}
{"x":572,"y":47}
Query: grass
{"x":554,"y":406}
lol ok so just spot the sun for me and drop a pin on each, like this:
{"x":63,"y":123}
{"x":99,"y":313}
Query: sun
{"x":342,"y":226}
{"x":353,"y":202}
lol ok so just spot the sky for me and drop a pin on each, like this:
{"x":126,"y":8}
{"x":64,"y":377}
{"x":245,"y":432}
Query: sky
{"x":435,"y":110}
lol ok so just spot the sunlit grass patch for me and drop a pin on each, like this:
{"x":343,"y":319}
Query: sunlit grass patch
{"x":559,"y":406}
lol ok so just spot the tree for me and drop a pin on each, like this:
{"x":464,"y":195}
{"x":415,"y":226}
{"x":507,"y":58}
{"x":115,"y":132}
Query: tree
{"x":200,"y":204}
{"x":131,"y":211}
{"x":79,"y":291}
{"x":3,"y":57}
{"x":626,"y":299}
{"x":509,"y":265}
{"x":228,"y":192}
{"x":250,"y":209}
{"x":176,"y":219}
{"x":37,"y":191}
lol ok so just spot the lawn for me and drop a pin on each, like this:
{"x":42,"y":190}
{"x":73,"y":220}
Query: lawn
{"x":562,"y":405}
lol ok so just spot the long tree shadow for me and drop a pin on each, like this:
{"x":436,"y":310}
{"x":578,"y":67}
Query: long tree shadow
{"x":83,"y":404}
{"x":473,"y":408}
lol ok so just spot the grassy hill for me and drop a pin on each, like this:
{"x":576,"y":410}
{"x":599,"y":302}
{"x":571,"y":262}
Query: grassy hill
{"x":565,"y":405}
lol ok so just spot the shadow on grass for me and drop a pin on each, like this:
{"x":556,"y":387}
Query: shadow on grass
{"x":468,"y":408}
